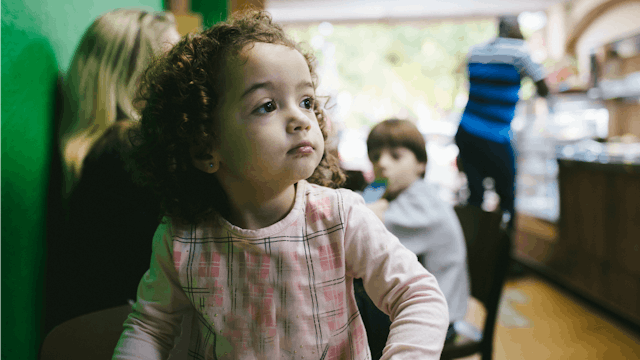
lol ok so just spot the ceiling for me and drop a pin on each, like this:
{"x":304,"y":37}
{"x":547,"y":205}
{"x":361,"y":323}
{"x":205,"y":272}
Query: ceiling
{"x":380,"y":10}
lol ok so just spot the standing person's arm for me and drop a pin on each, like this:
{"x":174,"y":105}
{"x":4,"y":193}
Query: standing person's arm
{"x":533,"y":70}
{"x":542,"y":88}
{"x":397,"y":283}
{"x":151,"y":329}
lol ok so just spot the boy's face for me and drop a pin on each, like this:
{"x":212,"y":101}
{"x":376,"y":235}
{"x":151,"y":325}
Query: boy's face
{"x":399,"y":166}
{"x":269,"y":134}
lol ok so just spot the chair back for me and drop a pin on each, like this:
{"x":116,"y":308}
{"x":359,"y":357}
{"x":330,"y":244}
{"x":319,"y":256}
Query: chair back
{"x":90,"y":336}
{"x":488,"y":255}
{"x":95,"y":336}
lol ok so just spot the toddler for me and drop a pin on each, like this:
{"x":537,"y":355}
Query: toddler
{"x":254,"y":242}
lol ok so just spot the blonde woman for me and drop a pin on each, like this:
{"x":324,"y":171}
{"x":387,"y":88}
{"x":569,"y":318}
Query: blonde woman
{"x":102,"y":80}
{"x":104,"y":209}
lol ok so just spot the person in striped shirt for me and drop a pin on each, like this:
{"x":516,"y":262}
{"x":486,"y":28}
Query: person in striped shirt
{"x":495,"y":71}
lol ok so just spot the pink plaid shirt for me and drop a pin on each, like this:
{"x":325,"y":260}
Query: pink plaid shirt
{"x":285,"y":291}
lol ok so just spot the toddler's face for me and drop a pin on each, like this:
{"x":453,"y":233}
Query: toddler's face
{"x":399,"y":166}
{"x":269,"y":134}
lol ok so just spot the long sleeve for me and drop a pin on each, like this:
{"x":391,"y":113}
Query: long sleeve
{"x":151,"y":329}
{"x":429,"y":227}
{"x":397,"y":283}
{"x":529,"y":67}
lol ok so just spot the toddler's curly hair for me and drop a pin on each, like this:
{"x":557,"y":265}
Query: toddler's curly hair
{"x":182,"y":92}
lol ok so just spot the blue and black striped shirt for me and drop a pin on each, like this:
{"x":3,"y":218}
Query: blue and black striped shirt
{"x":495,"y":70}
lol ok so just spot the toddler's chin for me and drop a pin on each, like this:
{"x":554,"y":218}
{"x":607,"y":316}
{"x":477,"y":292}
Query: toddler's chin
{"x":308,"y":174}
{"x":313,"y":169}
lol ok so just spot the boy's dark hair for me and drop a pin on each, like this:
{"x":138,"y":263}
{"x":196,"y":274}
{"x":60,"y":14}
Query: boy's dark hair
{"x":508,"y":27}
{"x":397,"y":133}
{"x":182,"y":92}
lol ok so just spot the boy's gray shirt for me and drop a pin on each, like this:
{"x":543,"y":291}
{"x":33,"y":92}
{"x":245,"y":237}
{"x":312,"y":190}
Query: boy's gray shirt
{"x":428,"y":226}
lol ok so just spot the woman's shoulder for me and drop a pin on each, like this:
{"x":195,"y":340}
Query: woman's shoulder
{"x":114,"y":143}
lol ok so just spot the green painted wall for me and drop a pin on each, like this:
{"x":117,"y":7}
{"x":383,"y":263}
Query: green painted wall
{"x":29,"y":71}
{"x":64,"y":21}
{"x":38,"y":41}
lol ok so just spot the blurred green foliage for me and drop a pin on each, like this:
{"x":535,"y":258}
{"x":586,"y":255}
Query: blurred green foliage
{"x":406,"y":69}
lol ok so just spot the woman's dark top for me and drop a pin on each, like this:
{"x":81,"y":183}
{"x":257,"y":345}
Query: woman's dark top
{"x":105,"y":244}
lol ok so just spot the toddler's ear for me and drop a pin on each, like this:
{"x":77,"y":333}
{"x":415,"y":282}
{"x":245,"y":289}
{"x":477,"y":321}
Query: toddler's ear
{"x":208,"y":162}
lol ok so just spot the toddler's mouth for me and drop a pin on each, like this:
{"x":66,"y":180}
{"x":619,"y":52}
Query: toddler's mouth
{"x":304,"y":147}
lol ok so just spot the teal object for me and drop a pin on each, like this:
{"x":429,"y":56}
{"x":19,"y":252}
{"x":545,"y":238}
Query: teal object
{"x":374,"y":191}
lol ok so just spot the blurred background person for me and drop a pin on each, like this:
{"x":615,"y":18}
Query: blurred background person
{"x":102,"y":79}
{"x":495,"y":70}
{"x":104,"y":210}
{"x":412,"y":210}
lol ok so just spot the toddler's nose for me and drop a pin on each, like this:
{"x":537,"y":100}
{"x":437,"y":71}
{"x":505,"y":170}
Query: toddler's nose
{"x":298,"y":121}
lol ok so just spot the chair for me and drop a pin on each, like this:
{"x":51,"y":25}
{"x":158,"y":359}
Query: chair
{"x":95,"y":336}
{"x":90,"y":336}
{"x":488,"y":253}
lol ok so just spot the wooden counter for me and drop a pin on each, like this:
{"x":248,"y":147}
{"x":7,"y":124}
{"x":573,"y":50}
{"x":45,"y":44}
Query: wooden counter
{"x":596,"y":249}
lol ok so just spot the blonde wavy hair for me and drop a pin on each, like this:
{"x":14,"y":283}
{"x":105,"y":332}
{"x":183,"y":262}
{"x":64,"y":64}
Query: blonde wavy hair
{"x":102,"y":81}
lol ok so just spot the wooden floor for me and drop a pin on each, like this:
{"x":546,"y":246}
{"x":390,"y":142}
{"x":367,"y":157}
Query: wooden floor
{"x":538,"y":320}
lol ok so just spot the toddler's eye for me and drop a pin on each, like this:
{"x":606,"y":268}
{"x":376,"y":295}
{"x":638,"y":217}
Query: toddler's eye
{"x":307,"y":103}
{"x":266,"y":108}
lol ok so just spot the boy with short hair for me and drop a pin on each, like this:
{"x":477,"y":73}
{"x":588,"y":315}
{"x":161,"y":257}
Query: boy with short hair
{"x":412,"y":210}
